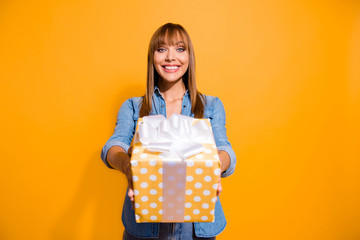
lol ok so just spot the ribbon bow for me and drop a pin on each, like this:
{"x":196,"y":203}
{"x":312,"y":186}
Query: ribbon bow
{"x":176,"y":137}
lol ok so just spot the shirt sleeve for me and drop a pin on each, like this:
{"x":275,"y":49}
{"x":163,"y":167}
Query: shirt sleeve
{"x":218,"y":121}
{"x":124,"y":130}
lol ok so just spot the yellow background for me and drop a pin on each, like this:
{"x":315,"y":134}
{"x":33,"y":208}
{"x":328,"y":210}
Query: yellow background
{"x":287,"y":72}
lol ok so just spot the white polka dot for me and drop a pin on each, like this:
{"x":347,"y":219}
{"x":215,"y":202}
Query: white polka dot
{"x":205,"y":206}
{"x":196,"y":211}
{"x":143,"y":170}
{"x":160,"y":199}
{"x":214,"y":146}
{"x":199,"y":156}
{"x":216,"y":157}
{"x":180,"y":185}
{"x":204,"y":218}
{"x":153,"y":192}
{"x":198,"y":185}
{"x":189,"y":178}
{"x":206,"y":192}
{"x":180,"y":170}
{"x":214,"y":199}
{"x":171,"y":192}
{"x":136,"y":192}
{"x":190,"y":163}
{"x":217,"y":171}
{"x":215,"y":186}
{"x":199,"y":171}
{"x":143,"y":184}
{"x":171,"y":163}
{"x":161,"y":185}
{"x":160,"y":170}
{"x":188,"y":205}
{"x":136,"y":150}
{"x":137,"y":205}
{"x":153,"y":217}
{"x":169,"y":217}
{"x":144,"y":198}
{"x":145,"y":211}
{"x":179,"y":199}
{"x":179,"y":211}
{"x":209,"y":163}
{"x":188,"y":192}
{"x":207,"y":178}
{"x":171,"y":205}
{"x":197,"y":199}
{"x":134,"y":163}
{"x":152,"y":162}
{"x":137,"y":217}
{"x":171,"y":178}
{"x":207,"y":151}
{"x":143,"y":155}
{"x":135,"y":178}
{"x":153,"y":205}
{"x":153,"y":177}
{"x":160,"y":211}
{"x":212,"y":212}
{"x":187,"y":218}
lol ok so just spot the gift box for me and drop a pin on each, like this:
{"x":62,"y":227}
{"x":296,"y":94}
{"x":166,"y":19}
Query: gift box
{"x":176,"y":169}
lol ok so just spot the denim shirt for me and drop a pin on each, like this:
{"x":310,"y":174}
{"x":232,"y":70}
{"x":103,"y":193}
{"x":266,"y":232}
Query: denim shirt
{"x":124,"y":132}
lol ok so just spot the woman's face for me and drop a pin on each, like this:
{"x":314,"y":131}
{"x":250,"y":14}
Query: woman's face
{"x":171,"y":61}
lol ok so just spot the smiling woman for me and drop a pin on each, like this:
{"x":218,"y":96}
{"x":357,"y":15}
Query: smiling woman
{"x":171,"y":61}
{"x":169,"y":40}
{"x":171,"y":89}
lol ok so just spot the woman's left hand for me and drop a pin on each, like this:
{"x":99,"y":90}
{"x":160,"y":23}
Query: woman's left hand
{"x":219,"y":188}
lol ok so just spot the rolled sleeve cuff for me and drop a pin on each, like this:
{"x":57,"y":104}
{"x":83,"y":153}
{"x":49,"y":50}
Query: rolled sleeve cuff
{"x":108,"y":146}
{"x":232,"y":155}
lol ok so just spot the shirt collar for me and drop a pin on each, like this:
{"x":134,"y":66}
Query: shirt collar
{"x":157,"y":91}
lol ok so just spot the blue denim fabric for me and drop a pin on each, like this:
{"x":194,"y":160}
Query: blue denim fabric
{"x":171,"y":231}
{"x":124,"y":132}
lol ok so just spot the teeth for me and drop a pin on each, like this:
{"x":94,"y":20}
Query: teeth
{"x":171,"y":67}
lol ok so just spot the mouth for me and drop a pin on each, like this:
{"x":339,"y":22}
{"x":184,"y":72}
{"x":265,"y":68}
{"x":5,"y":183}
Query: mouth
{"x":171,"y":68}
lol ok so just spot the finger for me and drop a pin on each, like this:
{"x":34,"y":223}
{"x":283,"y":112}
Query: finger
{"x":131,"y":194}
{"x":219,"y":189}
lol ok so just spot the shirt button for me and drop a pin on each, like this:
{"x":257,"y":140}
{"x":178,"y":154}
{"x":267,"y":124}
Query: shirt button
{"x":184,"y":106}
{"x":162,"y":106}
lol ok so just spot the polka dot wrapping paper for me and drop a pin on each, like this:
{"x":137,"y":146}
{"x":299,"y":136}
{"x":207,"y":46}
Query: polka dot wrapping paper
{"x":175,"y":191}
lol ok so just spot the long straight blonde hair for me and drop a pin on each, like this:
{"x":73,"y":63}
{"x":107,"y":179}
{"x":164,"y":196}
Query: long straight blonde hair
{"x":169,"y":33}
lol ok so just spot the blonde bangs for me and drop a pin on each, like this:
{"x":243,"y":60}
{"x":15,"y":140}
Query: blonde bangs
{"x":169,"y":36}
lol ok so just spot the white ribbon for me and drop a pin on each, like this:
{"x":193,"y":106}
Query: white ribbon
{"x":175,"y":137}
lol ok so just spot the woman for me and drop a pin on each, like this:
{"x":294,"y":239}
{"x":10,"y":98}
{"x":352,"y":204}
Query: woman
{"x":171,"y":88}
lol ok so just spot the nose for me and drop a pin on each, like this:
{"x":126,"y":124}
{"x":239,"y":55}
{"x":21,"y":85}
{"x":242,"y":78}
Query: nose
{"x":170,"y":56}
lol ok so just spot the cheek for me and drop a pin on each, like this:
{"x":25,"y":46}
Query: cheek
{"x":158,"y":58}
{"x":185,"y":59}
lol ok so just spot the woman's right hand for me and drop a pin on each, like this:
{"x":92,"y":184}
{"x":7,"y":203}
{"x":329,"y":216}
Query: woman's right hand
{"x":131,"y":192}
{"x":120,"y":160}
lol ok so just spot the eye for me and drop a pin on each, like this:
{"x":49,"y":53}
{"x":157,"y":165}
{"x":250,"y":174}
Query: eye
{"x":161,"y":49}
{"x":180,"y":49}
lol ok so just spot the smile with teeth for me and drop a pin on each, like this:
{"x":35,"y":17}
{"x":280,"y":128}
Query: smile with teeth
{"x":171,"y":67}
{"x":168,"y":68}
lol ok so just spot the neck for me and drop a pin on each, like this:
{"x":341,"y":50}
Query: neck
{"x":172,"y":91}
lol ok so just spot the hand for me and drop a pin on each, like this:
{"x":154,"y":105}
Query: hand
{"x":219,"y":188}
{"x":120,"y":160}
{"x":131,"y":192}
